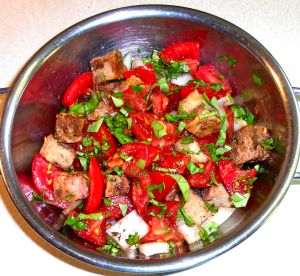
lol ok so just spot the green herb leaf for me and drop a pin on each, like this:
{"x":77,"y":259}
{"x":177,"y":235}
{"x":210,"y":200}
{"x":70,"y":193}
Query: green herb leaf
{"x":214,"y":102}
{"x":172,"y":250}
{"x":123,"y":207}
{"x":87,"y":141}
{"x":243,"y":113}
{"x":213,"y":179}
{"x":187,"y":140}
{"x":75,"y":223}
{"x":211,"y":207}
{"x":94,"y":216}
{"x":159,"y":129}
{"x":133,"y":239}
{"x":222,"y":136}
{"x":181,"y":126}
{"x":207,"y":230}
{"x":125,"y":157}
{"x":224,"y":57}
{"x":257,"y":80}
{"x":94,"y":127}
{"x":232,"y":62}
{"x":117,"y":101}
{"x":272,"y":144}
{"x":239,"y":200}
{"x":141,"y":163}
{"x":223,"y":150}
{"x":158,"y":204}
{"x":207,"y":115}
{"x":163,"y":85}
{"x":111,"y":247}
{"x":84,"y":161}
{"x":183,"y":185}
{"x":150,"y":188}
{"x":107,"y":202}
{"x":193,"y":168}
{"x":87,"y":107}
{"x":118,"y":171}
{"x":137,"y":88}
{"x":181,"y":116}
{"x":187,"y":219}
{"x":161,"y":169}
{"x":41,"y":197}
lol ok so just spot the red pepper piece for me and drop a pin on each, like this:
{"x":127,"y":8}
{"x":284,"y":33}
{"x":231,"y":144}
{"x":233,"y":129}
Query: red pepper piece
{"x":234,"y":178}
{"x":146,"y":73}
{"x":181,"y":51}
{"x":96,"y":187}
{"x":78,"y":87}
{"x":43,"y":173}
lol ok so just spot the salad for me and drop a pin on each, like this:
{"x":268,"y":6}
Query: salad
{"x":150,"y":155}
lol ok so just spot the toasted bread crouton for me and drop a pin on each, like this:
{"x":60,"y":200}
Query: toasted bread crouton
{"x":70,"y":187}
{"x":107,"y":68}
{"x":116,"y":185}
{"x":217,"y":195}
{"x":196,"y":209}
{"x":68,"y":128}
{"x":205,"y":122}
{"x":57,"y":153}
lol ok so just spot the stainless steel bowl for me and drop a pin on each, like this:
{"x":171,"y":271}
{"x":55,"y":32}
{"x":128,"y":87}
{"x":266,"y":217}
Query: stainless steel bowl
{"x":34,"y":100}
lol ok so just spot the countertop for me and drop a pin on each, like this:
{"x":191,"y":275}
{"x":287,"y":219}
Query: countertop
{"x":27,"y":25}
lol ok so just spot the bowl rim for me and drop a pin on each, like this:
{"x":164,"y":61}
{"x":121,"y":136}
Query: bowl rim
{"x":190,"y":259}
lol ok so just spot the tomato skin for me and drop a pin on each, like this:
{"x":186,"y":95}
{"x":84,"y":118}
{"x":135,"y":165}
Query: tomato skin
{"x":114,"y":210}
{"x":140,"y":198}
{"x":145,"y":73}
{"x":203,"y":180}
{"x":174,"y":100}
{"x":143,"y":131}
{"x":209,"y":74}
{"x":181,"y":51}
{"x":173,"y":160}
{"x":230,"y":120}
{"x":210,"y":139}
{"x":159,"y":102}
{"x":161,"y":231}
{"x":137,"y":151}
{"x":186,"y":90}
{"x":158,"y":178}
{"x":234,"y":178}
{"x":78,"y":87}
{"x":43,"y":173}
{"x":134,"y":100}
{"x":97,"y":186}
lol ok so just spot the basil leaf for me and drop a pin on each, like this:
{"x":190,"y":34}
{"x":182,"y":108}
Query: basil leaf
{"x":118,"y":171}
{"x":87,"y":107}
{"x":172,"y":250}
{"x":222,"y":150}
{"x":137,"y":88}
{"x":133,"y":239}
{"x":181,"y":126}
{"x":183,"y":185}
{"x":41,"y":197}
{"x":121,"y":137}
{"x":163,"y":85}
{"x":207,"y":230}
{"x":193,"y":168}
{"x":272,"y":144}
{"x":107,"y":202}
{"x":187,"y":140}
{"x":180,"y":116}
{"x":111,"y":247}
{"x":123,"y":207}
{"x":207,"y":115}
{"x":94,"y":127}
{"x":117,"y":101}
{"x":257,"y":80}
{"x":125,"y":157}
{"x":222,"y":136}
{"x":211,"y":207}
{"x":159,"y":129}
{"x":187,"y":219}
{"x":141,"y":163}
{"x":150,"y":188}
{"x":75,"y":223}
{"x":213,"y":179}
{"x":232,"y":62}
{"x":161,"y":169}
{"x":159,"y":204}
{"x":243,"y":113}
{"x":84,"y":161}
{"x":239,"y":200}
{"x":94,"y":216}
{"x":214,"y":102}
{"x":87,"y":141}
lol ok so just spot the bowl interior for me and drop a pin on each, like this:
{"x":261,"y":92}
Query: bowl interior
{"x":68,"y":55}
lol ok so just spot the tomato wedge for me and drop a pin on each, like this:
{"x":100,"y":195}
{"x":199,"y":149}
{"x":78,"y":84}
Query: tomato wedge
{"x":97,"y":187}
{"x":43,"y":173}
{"x":145,"y":73}
{"x":78,"y":87}
{"x":114,"y":208}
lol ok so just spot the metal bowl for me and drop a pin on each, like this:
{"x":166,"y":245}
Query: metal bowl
{"x":36,"y":93}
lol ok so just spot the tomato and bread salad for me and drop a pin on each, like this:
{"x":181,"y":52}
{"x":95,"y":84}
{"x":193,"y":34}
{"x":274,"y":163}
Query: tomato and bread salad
{"x":150,"y":155}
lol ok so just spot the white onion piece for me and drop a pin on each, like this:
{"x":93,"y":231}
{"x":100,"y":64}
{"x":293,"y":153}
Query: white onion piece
{"x":152,"y":248}
{"x":239,"y":123}
{"x":129,"y":225}
{"x":193,"y":147}
{"x":220,"y":217}
{"x":71,"y":207}
{"x":225,"y":101}
{"x":182,"y":79}
{"x":195,"y":246}
{"x":137,"y":62}
{"x":190,"y":234}
{"x":127,"y":60}
{"x":132,"y":253}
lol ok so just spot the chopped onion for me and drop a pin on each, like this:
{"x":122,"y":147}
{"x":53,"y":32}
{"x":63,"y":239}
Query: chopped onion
{"x":225,"y":101}
{"x":182,"y":79}
{"x":137,"y":62}
{"x":71,"y":207}
{"x":239,"y":123}
{"x":152,"y":248}
{"x":220,"y":217}
{"x":127,"y":60}
{"x":193,"y":147}
{"x":195,"y":246}
{"x":190,"y":234}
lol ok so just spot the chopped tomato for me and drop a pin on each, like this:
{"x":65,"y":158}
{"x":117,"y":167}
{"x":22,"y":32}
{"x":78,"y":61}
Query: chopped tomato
{"x":192,"y":64}
{"x":135,"y":100}
{"x":234,"y":178}
{"x":181,"y":52}
{"x":97,"y":187}
{"x":143,"y":130}
{"x":140,"y":198}
{"x":43,"y":173}
{"x":161,"y":231}
{"x":173,"y":160}
{"x":115,"y":161}
{"x":145,"y":73}
{"x":204,"y":180}
{"x":114,"y":209}
{"x":174,"y":100}
{"x":142,"y":157}
{"x":187,"y":90}
{"x":168,"y":182}
{"x":230,"y":120}
{"x":159,"y":102}
{"x":210,"y":139}
{"x":210,"y":75}
{"x":80,"y":86}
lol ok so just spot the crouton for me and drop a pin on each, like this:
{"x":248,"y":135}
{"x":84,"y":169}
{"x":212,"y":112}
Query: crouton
{"x":68,"y":128}
{"x":116,"y":185}
{"x":217,"y":195}
{"x":70,"y":187}
{"x":57,"y":153}
{"x":196,"y":209}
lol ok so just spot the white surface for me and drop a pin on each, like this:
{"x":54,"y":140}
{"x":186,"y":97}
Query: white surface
{"x":27,"y":25}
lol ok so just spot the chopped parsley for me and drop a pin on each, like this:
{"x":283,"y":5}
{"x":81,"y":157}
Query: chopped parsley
{"x":158,"y":204}
{"x":76,"y":223}
{"x":133,"y":239}
{"x":211,"y":207}
{"x":193,"y":168}
{"x":159,"y":129}
{"x":243,"y":113}
{"x":150,"y":188}
{"x":111,"y":247}
{"x":272,"y":144}
{"x":172,"y":250}
{"x":257,"y":80}
{"x":207,"y":230}
{"x":41,"y":197}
